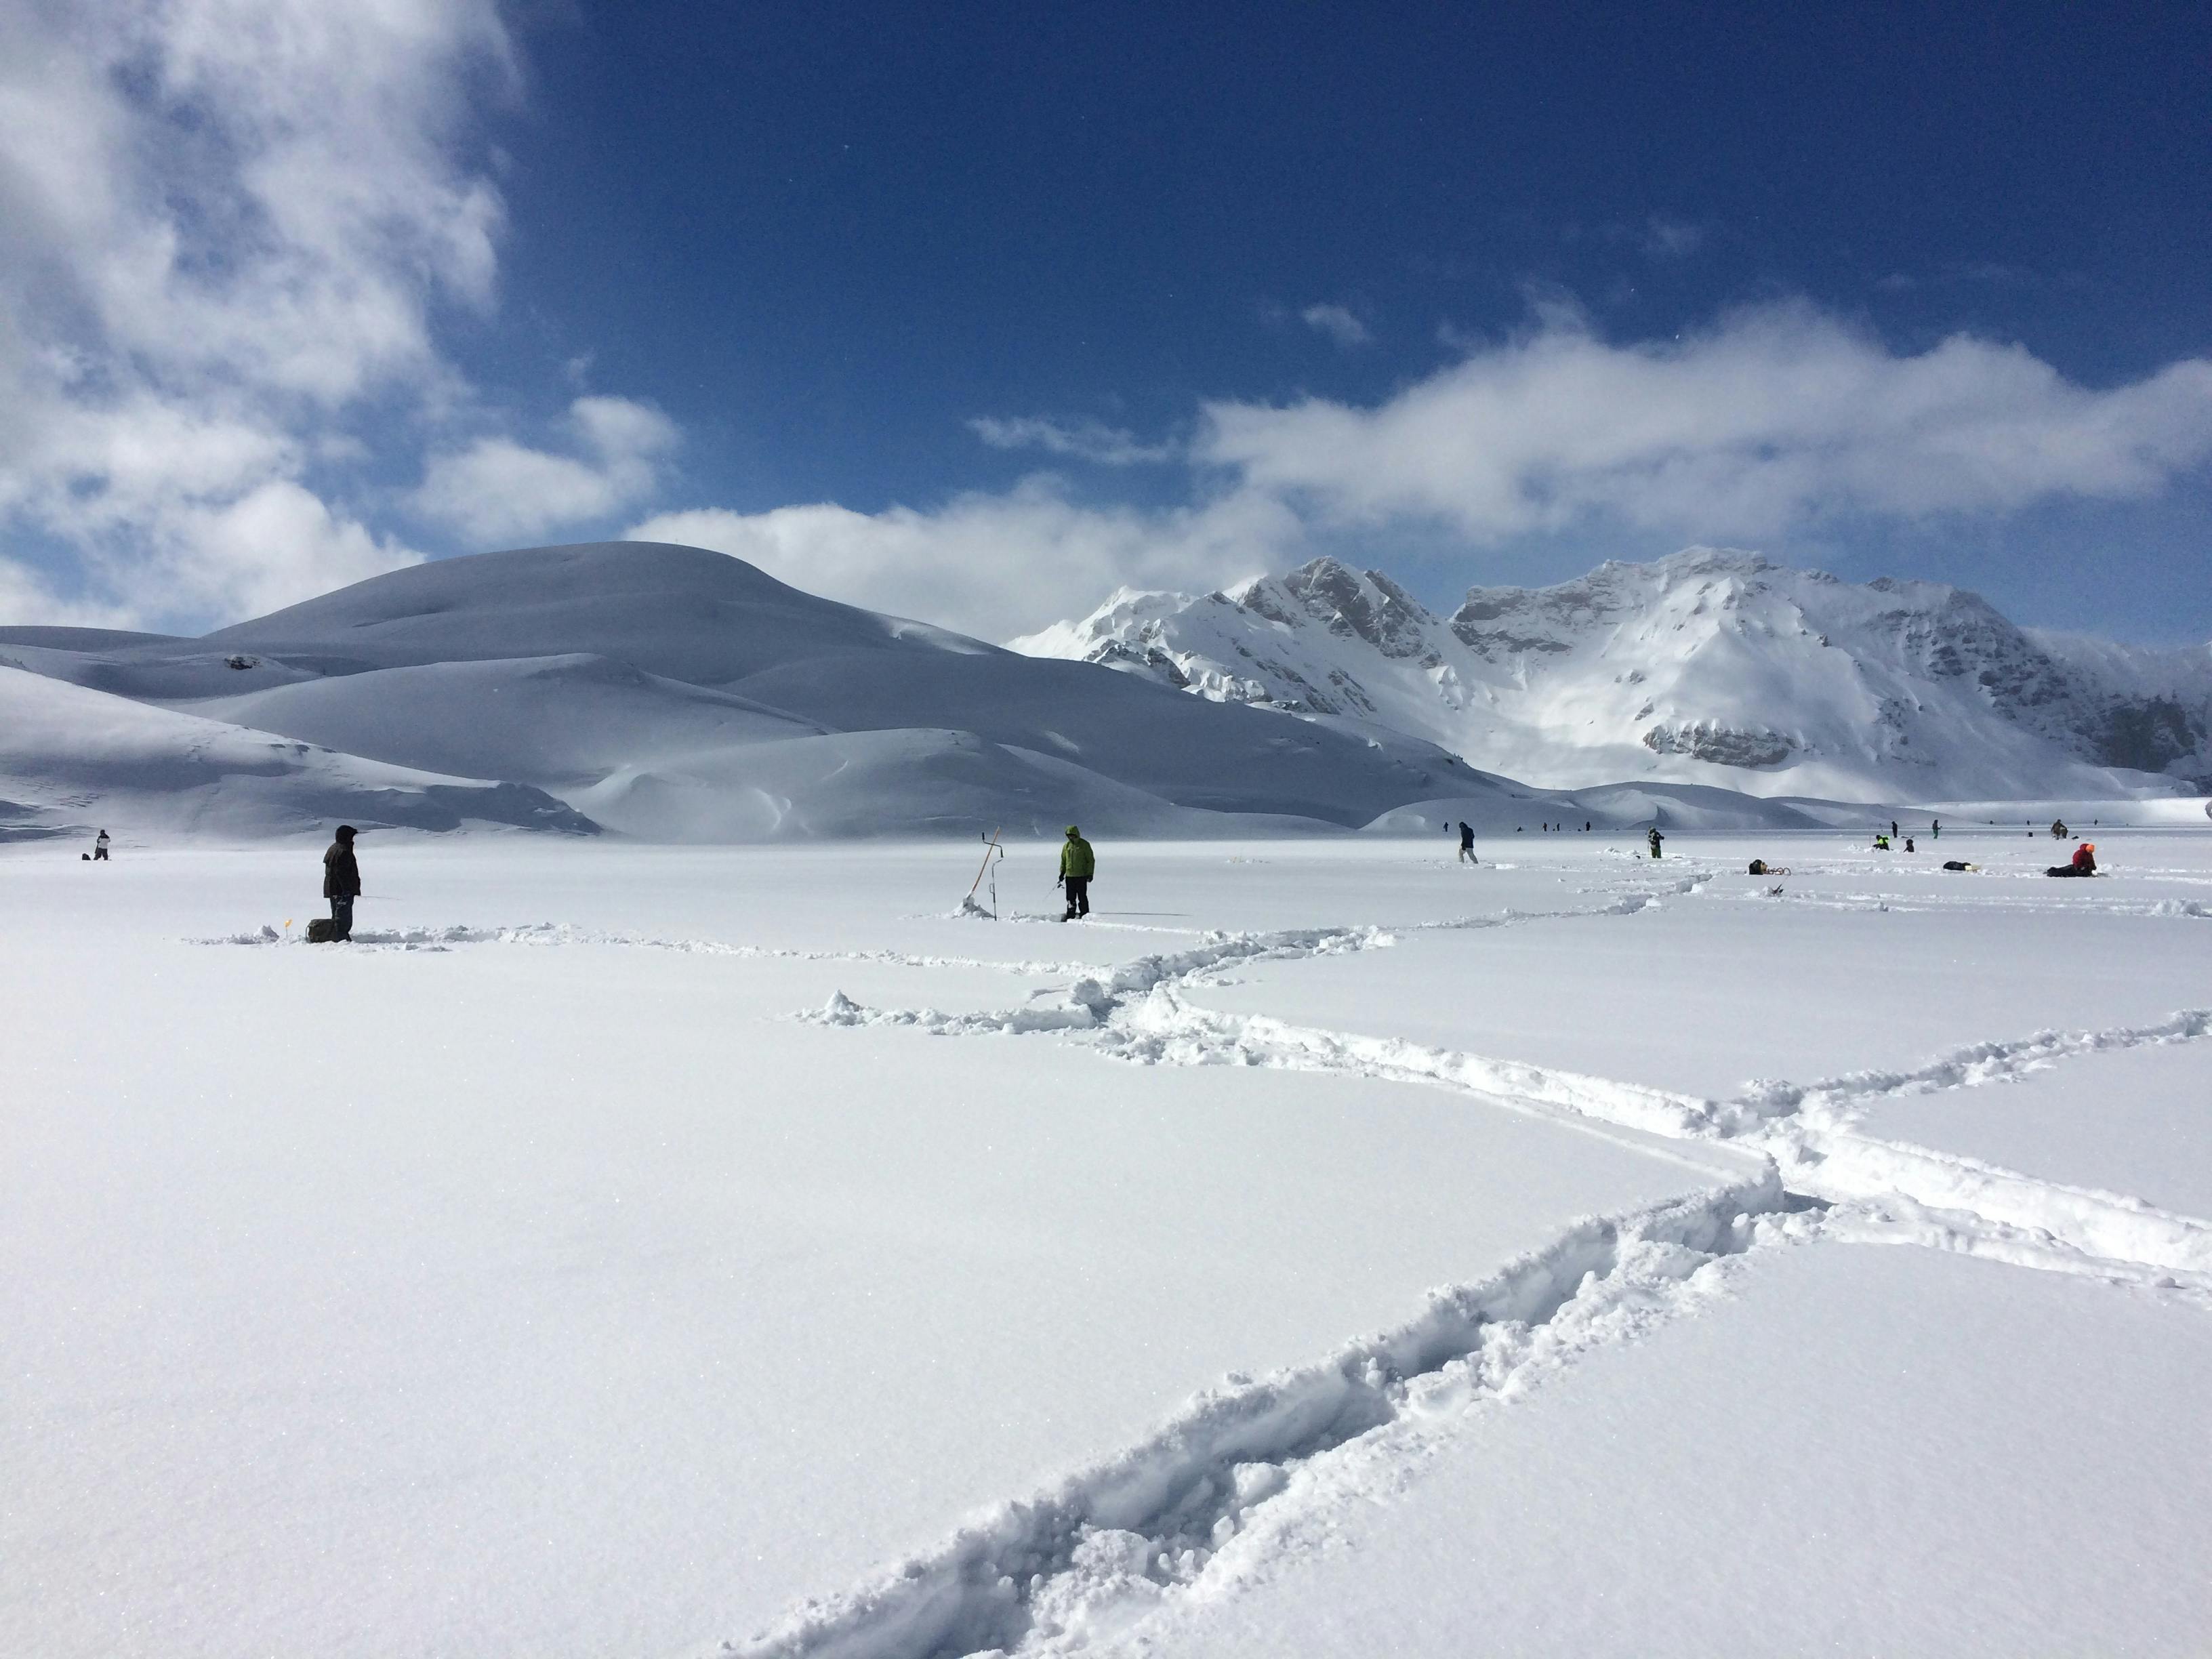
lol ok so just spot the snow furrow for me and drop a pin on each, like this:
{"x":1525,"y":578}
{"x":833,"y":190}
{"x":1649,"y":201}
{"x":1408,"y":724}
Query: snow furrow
{"x":1106,"y":1543}
{"x":1804,"y":1130}
{"x":2108,"y":1227}
{"x":1834,"y":1099}
{"x":1808,"y":1130}
{"x":549,"y":933}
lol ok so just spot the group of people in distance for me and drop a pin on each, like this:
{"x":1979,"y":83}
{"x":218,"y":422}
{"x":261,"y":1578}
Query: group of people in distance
{"x":1078,"y":865}
{"x":1884,"y":843}
{"x":1467,"y":838}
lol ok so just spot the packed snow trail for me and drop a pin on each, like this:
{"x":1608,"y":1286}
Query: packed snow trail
{"x":1107,"y":1542}
{"x":1807,"y":1130}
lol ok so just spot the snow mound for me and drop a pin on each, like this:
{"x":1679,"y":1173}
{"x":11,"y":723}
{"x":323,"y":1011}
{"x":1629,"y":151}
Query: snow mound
{"x":679,"y":612}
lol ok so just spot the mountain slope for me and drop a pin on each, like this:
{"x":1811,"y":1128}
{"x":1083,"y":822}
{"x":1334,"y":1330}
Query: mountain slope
{"x":75,"y":758}
{"x":1709,"y":667}
{"x":676,"y":693}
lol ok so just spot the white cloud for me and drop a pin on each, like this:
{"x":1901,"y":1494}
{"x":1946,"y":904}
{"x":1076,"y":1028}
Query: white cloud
{"x":229,"y":226}
{"x":1338,"y":323}
{"x":27,"y":596}
{"x":1769,"y":421}
{"x":497,"y":491}
{"x":1772,"y":420}
{"x":1081,"y":440}
{"x":994,"y":566}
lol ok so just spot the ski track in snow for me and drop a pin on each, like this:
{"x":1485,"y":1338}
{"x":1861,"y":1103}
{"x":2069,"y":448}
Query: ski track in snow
{"x":1244,"y":1480}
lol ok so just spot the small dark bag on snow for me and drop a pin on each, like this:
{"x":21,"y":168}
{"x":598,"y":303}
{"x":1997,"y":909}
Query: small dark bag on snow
{"x":321,"y":930}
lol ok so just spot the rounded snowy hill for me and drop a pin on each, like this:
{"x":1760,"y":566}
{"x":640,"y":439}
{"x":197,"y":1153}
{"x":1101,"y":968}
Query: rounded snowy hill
{"x":681,"y":613}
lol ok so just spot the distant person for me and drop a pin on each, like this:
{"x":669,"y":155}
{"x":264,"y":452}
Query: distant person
{"x":1654,"y":837}
{"x":1880,"y":841}
{"x":1077,"y":864}
{"x":1892,"y":828}
{"x":1935,"y":829}
{"x":1908,"y":844}
{"x":2084,"y":862}
{"x":341,"y":882}
{"x":2058,"y":828}
{"x":99,"y":848}
{"x":1960,"y":864}
{"x":1586,"y":827}
{"x":1466,"y":844}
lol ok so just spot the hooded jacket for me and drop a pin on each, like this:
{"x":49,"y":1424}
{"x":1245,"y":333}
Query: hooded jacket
{"x":341,"y":875}
{"x":1076,"y":858}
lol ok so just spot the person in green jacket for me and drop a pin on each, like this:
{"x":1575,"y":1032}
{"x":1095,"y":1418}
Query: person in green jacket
{"x":1076,"y":866}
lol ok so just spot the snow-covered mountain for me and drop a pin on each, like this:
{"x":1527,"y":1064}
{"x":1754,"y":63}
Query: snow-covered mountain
{"x":1710,"y":666}
{"x":665,"y":691}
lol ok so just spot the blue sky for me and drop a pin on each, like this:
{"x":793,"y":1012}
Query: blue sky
{"x":974,"y":312}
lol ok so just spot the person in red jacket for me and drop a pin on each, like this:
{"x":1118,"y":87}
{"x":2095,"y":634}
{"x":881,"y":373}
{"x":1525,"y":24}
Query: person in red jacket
{"x":2084,"y":864}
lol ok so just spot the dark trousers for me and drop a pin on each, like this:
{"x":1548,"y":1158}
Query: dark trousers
{"x":98,"y":854}
{"x":1079,"y":895}
{"x":342,"y":918}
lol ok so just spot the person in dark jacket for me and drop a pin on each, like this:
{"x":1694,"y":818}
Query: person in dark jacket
{"x":341,"y":882}
{"x":99,"y":848}
{"x":1466,"y":844}
{"x":1077,"y":864}
{"x":1654,"y":837}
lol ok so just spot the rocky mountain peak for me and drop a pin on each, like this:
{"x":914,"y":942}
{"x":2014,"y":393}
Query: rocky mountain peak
{"x":1713,"y":665}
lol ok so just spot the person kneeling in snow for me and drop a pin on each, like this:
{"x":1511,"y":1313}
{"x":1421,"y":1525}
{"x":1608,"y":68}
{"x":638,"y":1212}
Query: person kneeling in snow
{"x":2084,"y":864}
{"x":341,"y":882}
{"x":1077,"y":864}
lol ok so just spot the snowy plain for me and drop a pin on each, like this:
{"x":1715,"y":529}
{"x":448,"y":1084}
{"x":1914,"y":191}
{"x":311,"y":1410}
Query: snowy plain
{"x":1327,"y":1248}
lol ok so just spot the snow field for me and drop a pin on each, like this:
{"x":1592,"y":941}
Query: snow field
{"x":1855,"y":1451}
{"x":500,"y":1287}
{"x":647,"y":1264}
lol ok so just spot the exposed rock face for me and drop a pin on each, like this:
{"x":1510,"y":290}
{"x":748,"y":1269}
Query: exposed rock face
{"x":1720,"y":745}
{"x":1709,"y":665}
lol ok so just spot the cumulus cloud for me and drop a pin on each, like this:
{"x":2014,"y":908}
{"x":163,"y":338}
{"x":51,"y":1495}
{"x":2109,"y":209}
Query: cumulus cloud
{"x":1771,"y":419}
{"x":996,"y":565}
{"x":231,"y":225}
{"x":229,"y":222}
{"x":1338,"y":323}
{"x":1080,"y":439}
{"x":497,"y":491}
